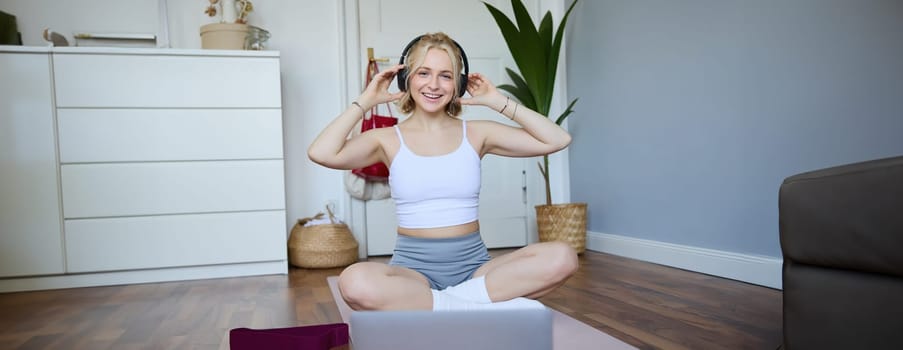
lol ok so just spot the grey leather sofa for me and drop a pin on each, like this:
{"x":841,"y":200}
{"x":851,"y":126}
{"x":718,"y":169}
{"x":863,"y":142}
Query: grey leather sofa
{"x":841,"y":232}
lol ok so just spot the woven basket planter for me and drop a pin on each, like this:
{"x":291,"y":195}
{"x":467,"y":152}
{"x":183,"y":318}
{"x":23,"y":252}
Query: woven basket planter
{"x":321,"y":246}
{"x":564,"y":223}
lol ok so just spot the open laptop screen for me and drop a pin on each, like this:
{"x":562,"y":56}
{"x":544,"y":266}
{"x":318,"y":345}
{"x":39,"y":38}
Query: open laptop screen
{"x":452,"y":330}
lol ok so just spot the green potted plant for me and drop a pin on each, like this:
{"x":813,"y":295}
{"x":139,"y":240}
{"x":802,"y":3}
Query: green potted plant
{"x":535,"y":51}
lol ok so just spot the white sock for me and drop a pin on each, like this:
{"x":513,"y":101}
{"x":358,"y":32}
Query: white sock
{"x":473,"y":290}
{"x":518,"y":303}
{"x":446,"y":302}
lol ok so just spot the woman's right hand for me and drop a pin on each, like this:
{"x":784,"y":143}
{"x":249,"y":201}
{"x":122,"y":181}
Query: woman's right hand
{"x":377,"y":91}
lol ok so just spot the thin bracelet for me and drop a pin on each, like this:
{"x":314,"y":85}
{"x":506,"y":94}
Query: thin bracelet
{"x":502,"y":112}
{"x":514,"y":114}
{"x":359,"y":106}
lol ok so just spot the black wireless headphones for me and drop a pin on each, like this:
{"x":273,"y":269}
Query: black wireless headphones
{"x":402,"y":75}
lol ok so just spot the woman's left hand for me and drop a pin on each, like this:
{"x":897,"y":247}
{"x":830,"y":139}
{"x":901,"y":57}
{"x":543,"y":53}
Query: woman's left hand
{"x":483,"y":92}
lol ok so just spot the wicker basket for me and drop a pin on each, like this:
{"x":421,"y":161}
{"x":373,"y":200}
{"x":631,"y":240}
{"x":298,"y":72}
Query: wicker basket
{"x":564,"y":223}
{"x":321,"y":246}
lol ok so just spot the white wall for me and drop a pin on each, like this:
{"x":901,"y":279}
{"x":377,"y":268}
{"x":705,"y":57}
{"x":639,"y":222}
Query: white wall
{"x":307,"y":33}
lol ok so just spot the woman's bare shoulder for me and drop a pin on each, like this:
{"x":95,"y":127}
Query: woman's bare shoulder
{"x":384,"y":136}
{"x":479,"y":130}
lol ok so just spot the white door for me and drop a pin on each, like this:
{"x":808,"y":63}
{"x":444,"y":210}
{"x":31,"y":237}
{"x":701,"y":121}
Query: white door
{"x":387,"y":26}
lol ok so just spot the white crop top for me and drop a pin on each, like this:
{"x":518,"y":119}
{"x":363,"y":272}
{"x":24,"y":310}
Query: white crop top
{"x":435,"y":191}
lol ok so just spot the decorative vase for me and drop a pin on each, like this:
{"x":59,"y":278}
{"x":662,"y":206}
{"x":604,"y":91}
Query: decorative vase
{"x":257,"y":38}
{"x":564,"y":223}
{"x":224,"y":36}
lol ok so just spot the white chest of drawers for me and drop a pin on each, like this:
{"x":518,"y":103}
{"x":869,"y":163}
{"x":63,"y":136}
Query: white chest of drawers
{"x":170,"y":166}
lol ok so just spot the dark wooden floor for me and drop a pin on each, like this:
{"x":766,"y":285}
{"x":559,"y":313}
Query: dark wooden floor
{"x":646,"y":305}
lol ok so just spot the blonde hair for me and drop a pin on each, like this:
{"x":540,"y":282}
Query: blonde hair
{"x":414,"y":60}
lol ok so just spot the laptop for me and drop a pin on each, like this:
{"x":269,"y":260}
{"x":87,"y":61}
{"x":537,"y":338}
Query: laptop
{"x":528,"y":329}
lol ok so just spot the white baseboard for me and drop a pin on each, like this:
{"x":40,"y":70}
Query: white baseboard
{"x":755,"y":269}
{"x":142,"y":276}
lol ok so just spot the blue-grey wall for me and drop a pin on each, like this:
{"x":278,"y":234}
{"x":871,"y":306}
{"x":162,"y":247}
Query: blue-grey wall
{"x":692,"y":112}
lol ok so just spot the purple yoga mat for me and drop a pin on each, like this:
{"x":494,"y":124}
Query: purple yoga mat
{"x":317,"y":337}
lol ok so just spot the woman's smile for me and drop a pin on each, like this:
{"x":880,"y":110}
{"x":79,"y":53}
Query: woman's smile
{"x":431,"y":97}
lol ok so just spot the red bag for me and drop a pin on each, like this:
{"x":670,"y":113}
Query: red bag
{"x":377,"y":171}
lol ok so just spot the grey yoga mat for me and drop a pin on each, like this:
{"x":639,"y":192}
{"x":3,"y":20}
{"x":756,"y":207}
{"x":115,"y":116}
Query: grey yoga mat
{"x":567,"y":332}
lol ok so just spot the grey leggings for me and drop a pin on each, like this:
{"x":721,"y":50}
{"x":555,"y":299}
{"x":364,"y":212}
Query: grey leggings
{"x":444,"y":261}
